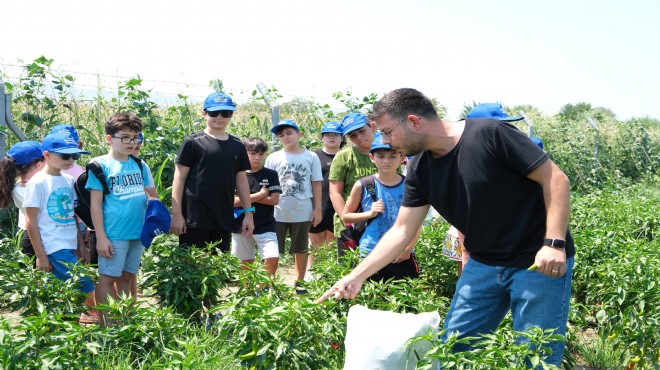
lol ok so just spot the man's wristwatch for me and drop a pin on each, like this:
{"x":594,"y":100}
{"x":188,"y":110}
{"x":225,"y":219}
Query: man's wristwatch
{"x":555,"y":243}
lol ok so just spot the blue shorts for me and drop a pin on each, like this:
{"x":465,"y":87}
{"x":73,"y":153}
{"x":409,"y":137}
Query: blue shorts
{"x":126,"y":258}
{"x":61,"y":271}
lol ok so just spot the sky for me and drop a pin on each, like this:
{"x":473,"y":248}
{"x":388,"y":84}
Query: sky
{"x":542,"y":53}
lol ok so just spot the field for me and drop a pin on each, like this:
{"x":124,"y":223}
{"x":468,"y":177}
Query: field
{"x":615,"y":220}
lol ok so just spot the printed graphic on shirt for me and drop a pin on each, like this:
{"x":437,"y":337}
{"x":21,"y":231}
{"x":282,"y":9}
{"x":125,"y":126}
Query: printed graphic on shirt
{"x":127,"y":185}
{"x":387,"y":218}
{"x":60,"y":205}
{"x":292,"y":180}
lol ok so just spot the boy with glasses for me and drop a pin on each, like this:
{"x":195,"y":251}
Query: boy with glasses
{"x":210,"y":167}
{"x":119,"y":215}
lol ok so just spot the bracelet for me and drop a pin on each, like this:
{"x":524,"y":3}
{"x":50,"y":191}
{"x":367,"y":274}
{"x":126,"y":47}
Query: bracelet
{"x":251,"y":209}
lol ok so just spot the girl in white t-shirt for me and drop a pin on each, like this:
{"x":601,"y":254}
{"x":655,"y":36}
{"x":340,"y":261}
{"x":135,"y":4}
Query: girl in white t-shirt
{"x":24,"y":159}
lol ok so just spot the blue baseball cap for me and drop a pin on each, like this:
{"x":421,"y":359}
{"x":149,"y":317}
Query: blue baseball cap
{"x":331,"y":127}
{"x":25,"y":152}
{"x":61,"y":142}
{"x":218,"y":101}
{"x":352,"y":122}
{"x":378,"y":143}
{"x":491,"y":110}
{"x":63,"y":127}
{"x":284,"y":123}
{"x":156,"y":221}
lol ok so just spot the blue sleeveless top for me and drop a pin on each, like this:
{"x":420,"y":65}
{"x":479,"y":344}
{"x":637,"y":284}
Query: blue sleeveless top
{"x":378,"y":226}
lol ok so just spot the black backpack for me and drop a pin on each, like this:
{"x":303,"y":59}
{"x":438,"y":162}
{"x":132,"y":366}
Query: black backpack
{"x":83,"y":208}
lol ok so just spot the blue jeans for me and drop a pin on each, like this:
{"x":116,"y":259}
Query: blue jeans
{"x":484,"y":294}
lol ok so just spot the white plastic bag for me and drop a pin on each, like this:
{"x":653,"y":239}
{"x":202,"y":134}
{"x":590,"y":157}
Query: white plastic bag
{"x":375,"y":339}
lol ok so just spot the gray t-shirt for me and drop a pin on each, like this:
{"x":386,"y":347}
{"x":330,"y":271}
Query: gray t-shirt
{"x":296,"y":173}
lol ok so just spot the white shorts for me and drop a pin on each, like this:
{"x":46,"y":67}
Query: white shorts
{"x":243,"y":248}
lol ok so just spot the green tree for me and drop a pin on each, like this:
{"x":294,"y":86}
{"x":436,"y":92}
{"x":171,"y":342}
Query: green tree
{"x":574,"y":112}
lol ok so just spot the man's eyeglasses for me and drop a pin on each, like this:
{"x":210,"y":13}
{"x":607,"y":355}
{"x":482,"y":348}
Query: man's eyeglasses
{"x":223,"y":113}
{"x":128,"y":139}
{"x":67,"y":156}
{"x":389,"y":132}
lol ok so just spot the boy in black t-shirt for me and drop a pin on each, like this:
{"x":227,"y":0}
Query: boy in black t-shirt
{"x":323,"y":233}
{"x":210,"y":167}
{"x":264,"y":194}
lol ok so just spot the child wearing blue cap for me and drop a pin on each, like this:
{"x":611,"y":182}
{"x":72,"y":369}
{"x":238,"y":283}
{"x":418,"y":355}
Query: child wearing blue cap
{"x":388,"y":187}
{"x":23,"y":160}
{"x":210,"y":167}
{"x":50,"y":219}
{"x":300,"y":176}
{"x":349,"y":165}
{"x":323,"y":233}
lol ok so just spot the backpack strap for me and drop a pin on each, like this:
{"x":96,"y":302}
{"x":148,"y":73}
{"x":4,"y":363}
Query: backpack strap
{"x":137,"y":160}
{"x":370,"y":184}
{"x":96,"y":169}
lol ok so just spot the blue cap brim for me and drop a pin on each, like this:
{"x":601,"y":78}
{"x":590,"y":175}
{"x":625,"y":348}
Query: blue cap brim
{"x":70,"y":151}
{"x":356,"y":127}
{"x":222,"y":107}
{"x":275,"y":128}
{"x":510,"y":119}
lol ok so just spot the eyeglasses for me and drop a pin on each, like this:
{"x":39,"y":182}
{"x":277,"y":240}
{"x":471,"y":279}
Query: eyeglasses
{"x":128,"y":139}
{"x":388,"y":133}
{"x":67,"y":156}
{"x":224,"y":113}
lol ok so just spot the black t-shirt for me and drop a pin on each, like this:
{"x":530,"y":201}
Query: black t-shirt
{"x":264,"y":221}
{"x":326,"y":159}
{"x":208,"y":194}
{"x":481,"y":187}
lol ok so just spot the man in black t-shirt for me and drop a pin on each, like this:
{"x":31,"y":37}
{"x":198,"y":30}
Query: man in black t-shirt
{"x":504,"y":194}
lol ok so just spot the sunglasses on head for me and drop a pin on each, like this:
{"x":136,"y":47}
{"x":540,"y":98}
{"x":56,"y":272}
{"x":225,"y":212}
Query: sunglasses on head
{"x":223,"y":113}
{"x":66,"y":156}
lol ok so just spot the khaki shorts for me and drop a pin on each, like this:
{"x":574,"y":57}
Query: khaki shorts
{"x":298,"y":232}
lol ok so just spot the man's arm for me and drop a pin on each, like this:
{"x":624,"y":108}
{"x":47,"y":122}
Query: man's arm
{"x":556,"y":194}
{"x":390,"y":246}
{"x":243,"y":190}
{"x":32,"y":228}
{"x":178,"y":224}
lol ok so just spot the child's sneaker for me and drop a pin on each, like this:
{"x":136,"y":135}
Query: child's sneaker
{"x":300,"y":290}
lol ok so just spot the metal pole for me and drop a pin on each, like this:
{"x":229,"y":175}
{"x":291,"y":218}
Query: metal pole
{"x":274,"y":106}
{"x":595,"y":127}
{"x":3,"y":139}
{"x":530,"y":125}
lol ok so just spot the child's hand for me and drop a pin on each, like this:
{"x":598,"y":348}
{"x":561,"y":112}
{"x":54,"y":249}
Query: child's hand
{"x":248,"y":225}
{"x":104,"y":247}
{"x":264,"y":192}
{"x":316,"y":217}
{"x":43,"y":264}
{"x":377,"y":208}
{"x":403,"y":257}
{"x":177,"y":225}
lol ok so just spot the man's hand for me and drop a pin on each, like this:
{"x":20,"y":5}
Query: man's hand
{"x":104,"y":247}
{"x":346,"y":288}
{"x":377,"y":208}
{"x":551,"y":261}
{"x":178,"y":224}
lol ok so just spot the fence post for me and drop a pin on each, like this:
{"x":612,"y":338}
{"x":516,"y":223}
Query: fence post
{"x":530,"y":125}
{"x":595,"y":127}
{"x":6,"y":120}
{"x":3,"y":139}
{"x":274,"y":106}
